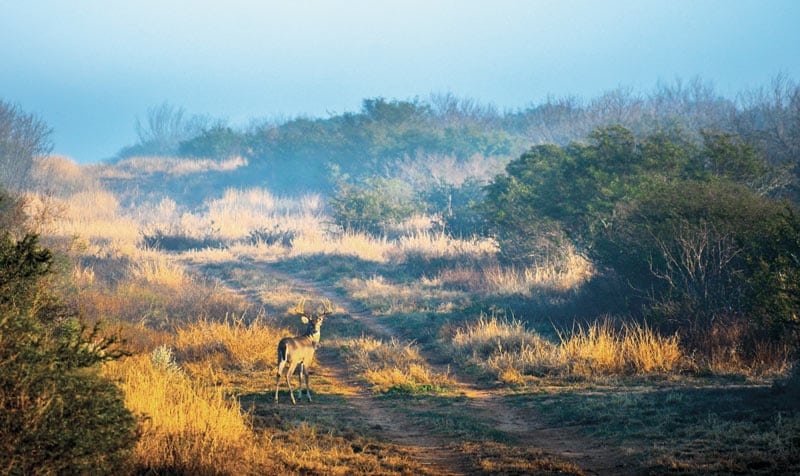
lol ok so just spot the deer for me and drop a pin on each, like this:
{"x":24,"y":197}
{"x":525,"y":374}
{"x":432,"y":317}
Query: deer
{"x":298,"y":352}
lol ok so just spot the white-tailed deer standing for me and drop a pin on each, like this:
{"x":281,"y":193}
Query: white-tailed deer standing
{"x":294,"y":352}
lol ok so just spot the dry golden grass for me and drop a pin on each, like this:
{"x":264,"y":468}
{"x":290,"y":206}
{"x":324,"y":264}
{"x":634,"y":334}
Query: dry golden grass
{"x":510,"y":351}
{"x":210,"y":348}
{"x":570,"y":272}
{"x":428,"y":245}
{"x":358,"y":245}
{"x":160,"y":270}
{"x":240,"y":211}
{"x":156,"y":293}
{"x":175,"y":166}
{"x":633,"y":348}
{"x":60,"y":176}
{"x":186,"y":426}
{"x":385,"y":297}
{"x":190,"y":426}
{"x":729,"y":346}
{"x":393,"y":366}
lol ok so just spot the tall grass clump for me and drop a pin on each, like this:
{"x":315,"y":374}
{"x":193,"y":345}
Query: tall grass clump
{"x":159,"y":270}
{"x":232,"y":344}
{"x":185,"y":427}
{"x":353,"y":244}
{"x":426,"y":245}
{"x":633,"y":348}
{"x":560,"y":274}
{"x":507,"y":349}
{"x":393,"y":366}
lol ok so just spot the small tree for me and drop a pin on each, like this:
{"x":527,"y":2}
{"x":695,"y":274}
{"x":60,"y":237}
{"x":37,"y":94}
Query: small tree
{"x":373,"y":205}
{"x":165,"y":127}
{"x":22,"y":137}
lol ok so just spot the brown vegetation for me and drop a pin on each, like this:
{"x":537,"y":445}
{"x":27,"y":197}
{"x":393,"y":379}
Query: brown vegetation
{"x":203,"y":332}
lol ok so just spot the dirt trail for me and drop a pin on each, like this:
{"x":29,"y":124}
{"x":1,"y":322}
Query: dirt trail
{"x":431,"y":448}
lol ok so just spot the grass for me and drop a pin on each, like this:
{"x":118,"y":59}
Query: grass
{"x":708,"y":430}
{"x":203,"y":356}
{"x":189,"y":423}
{"x":393,"y":367}
{"x":507,"y":349}
{"x":186,"y":426}
{"x":497,"y":458}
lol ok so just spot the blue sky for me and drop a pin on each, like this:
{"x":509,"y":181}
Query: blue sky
{"x":89,"y":68}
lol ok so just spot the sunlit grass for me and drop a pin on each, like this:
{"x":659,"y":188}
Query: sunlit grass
{"x":428,"y":245}
{"x":186,"y":426}
{"x":159,"y":270}
{"x":393,"y":366}
{"x":507,"y":349}
{"x":633,"y":348}
{"x":189,"y":425}
{"x":358,"y":245}
{"x":212,"y":348}
{"x":175,"y":166}
{"x":384,"y":297}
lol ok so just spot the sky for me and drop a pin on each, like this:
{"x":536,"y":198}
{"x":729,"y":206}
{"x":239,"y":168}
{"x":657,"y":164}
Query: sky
{"x":90,"y":68}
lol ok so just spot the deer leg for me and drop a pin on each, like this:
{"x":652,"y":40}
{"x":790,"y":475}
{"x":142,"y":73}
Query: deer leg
{"x":281,"y":365}
{"x":289,"y":374}
{"x":300,"y":380}
{"x":308,"y":390}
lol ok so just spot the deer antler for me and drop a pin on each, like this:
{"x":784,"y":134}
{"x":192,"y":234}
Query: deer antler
{"x":326,"y":307}
{"x":299,"y":308}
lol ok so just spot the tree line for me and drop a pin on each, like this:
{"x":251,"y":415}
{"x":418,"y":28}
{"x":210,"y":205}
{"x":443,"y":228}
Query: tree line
{"x":304,"y":153}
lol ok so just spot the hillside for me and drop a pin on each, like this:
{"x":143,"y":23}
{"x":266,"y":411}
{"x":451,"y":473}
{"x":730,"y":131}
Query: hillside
{"x":601,"y":287}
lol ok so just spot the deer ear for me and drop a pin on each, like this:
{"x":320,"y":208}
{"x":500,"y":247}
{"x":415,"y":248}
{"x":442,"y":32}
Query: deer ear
{"x":304,"y":319}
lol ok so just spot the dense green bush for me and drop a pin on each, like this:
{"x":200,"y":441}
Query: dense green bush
{"x":699,"y":250}
{"x":373,"y":205}
{"x":680,"y":223}
{"x":57,"y":416}
{"x":457,"y":205}
{"x":218,"y":142}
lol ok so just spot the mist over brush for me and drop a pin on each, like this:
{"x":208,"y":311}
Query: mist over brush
{"x":555,"y":256}
{"x":448,"y":138}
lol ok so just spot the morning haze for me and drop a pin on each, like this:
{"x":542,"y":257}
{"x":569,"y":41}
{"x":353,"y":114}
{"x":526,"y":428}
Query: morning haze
{"x":90,"y":68}
{"x":543,"y":237}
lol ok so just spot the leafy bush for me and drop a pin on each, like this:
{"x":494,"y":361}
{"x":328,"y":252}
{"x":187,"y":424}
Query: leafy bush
{"x":707,"y":249}
{"x":457,"y":205}
{"x":373,"y":205}
{"x":681,"y":224}
{"x":218,"y":142}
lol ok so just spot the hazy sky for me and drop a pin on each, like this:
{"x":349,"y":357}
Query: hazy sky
{"x":89,"y":67}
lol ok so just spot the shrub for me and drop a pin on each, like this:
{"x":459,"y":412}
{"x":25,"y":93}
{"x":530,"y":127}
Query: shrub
{"x":457,"y":205}
{"x":56,"y":414}
{"x":272,"y":236}
{"x":177,"y":239}
{"x":707,"y":249}
{"x":373,"y":205}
